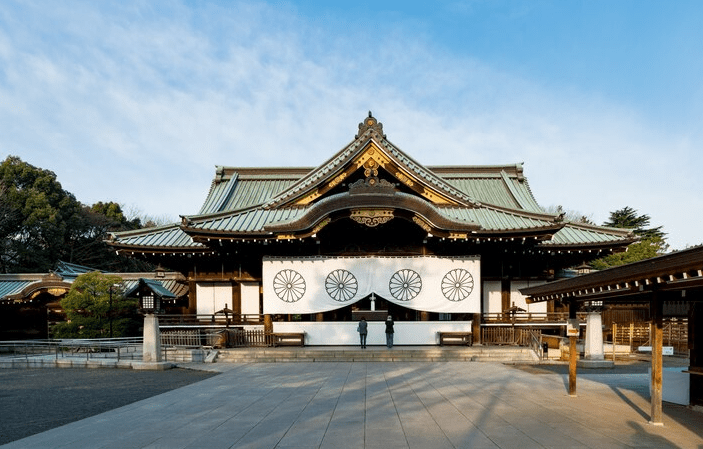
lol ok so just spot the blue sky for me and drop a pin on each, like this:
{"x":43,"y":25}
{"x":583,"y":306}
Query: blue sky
{"x":137,"y":102}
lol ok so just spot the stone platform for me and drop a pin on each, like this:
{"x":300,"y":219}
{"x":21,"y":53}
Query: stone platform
{"x":378,"y":354}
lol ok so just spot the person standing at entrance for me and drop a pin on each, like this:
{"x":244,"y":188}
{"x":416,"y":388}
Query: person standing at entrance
{"x":389,"y":332}
{"x":363,"y":331}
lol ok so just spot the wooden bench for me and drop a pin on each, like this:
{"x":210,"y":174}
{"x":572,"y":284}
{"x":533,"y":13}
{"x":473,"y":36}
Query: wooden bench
{"x":289,"y":339}
{"x":455,"y":338}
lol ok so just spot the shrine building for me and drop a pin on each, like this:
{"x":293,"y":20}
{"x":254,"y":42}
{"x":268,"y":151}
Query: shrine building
{"x":369,"y":233}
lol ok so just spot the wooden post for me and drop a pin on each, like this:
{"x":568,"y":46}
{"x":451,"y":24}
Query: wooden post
{"x":573,"y":358}
{"x":573,"y":354}
{"x":268,"y":324}
{"x":657,"y":314}
{"x":615,"y":332}
{"x":476,"y":328}
{"x":632,"y":333}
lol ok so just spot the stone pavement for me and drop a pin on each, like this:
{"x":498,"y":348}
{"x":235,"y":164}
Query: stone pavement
{"x":386,"y":405}
{"x":36,"y":400}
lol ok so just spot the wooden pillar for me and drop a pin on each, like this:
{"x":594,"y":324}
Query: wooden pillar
{"x":505,"y":295}
{"x":573,"y":359}
{"x":268,"y":324}
{"x":573,"y":352}
{"x":236,"y":298}
{"x":695,"y":345}
{"x":657,"y":313}
{"x":319,"y":317}
{"x":476,"y":328}
{"x":192,"y":298}
{"x":424,"y":316}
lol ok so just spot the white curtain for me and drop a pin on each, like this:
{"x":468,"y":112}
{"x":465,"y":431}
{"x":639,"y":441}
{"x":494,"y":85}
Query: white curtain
{"x":427,"y":283}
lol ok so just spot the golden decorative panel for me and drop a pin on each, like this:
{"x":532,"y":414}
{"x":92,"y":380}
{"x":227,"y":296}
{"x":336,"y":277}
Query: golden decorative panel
{"x":404,"y":179}
{"x":371,"y":217}
{"x":422,"y":223}
{"x":310,"y":198}
{"x":338,"y":180}
{"x":372,"y":152}
{"x":430,"y":195}
{"x":321,"y":225}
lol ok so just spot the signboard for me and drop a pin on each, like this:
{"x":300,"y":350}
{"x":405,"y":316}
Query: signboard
{"x":666,"y":350}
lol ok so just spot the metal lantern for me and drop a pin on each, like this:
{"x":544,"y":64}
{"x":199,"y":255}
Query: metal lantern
{"x":149,"y":303}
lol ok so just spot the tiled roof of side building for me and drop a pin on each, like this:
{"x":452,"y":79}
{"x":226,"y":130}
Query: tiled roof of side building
{"x":13,"y":286}
{"x":170,"y":236}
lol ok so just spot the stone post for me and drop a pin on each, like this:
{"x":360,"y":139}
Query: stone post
{"x":593,"y":346}
{"x":151,"y":349}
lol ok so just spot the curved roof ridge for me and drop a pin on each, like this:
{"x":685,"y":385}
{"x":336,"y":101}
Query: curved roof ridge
{"x":317,"y":173}
{"x":427,"y":174}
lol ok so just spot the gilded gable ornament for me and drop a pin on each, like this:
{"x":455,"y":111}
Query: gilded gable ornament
{"x":371,"y":217}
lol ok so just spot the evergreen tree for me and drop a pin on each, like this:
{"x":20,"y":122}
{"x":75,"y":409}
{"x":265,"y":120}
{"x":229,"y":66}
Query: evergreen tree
{"x":37,"y":217}
{"x":41,"y":223}
{"x":652,"y":241}
{"x":95,"y":306}
{"x":627,"y":218}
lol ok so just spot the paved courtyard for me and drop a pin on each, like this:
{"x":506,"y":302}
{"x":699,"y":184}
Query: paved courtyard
{"x":387,"y":405}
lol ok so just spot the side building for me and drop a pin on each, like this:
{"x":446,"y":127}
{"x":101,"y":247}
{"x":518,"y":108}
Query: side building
{"x":371,"y":232}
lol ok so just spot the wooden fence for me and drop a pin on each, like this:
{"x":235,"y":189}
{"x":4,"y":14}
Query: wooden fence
{"x":220,"y":338}
{"x":505,"y":336}
{"x":675,"y":334}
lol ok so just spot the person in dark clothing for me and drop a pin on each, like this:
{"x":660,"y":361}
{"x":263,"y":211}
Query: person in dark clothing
{"x":363,"y":331}
{"x":389,"y":332}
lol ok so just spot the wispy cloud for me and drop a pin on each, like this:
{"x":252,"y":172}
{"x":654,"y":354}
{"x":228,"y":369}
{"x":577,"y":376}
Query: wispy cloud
{"x":138,"y":103}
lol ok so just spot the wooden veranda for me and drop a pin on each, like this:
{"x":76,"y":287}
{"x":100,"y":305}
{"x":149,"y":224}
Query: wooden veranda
{"x":672,"y":277}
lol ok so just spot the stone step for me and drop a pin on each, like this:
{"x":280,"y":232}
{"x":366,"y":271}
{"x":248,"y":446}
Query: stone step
{"x":380,"y":354}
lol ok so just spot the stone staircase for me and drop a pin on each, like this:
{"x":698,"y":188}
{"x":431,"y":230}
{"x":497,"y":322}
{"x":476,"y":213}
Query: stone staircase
{"x":509,"y":354}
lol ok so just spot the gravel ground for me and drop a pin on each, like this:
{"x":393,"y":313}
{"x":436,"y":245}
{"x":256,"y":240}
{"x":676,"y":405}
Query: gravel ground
{"x":35,"y":400}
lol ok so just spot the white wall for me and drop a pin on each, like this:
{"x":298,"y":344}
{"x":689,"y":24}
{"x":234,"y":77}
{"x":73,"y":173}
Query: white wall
{"x":519,"y":299}
{"x":344,"y":332}
{"x":212,"y":297}
{"x":492,"y":297}
{"x":492,"y":301}
{"x":250,"y":297}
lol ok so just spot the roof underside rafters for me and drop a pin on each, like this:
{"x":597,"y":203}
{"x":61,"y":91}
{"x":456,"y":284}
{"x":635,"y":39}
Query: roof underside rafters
{"x":679,"y":271}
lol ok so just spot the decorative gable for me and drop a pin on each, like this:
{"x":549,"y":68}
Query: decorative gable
{"x":373,"y":157}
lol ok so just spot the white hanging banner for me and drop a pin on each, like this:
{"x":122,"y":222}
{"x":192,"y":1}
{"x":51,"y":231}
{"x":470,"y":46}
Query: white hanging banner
{"x":319,"y":284}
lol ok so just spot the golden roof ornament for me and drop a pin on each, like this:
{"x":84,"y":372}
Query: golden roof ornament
{"x":370,"y":123}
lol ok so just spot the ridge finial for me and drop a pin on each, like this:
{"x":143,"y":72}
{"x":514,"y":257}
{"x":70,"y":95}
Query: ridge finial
{"x":370,"y":123}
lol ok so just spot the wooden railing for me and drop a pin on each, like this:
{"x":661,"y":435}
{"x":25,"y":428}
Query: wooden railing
{"x":506,"y":336}
{"x":530,"y":317}
{"x":220,"y":338}
{"x":217,"y":320}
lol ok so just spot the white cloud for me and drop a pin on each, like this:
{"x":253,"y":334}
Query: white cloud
{"x":141,"y":105}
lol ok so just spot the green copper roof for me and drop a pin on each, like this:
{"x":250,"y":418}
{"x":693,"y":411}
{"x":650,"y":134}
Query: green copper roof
{"x":163,"y":237}
{"x":245,"y":202}
{"x":582,"y":234}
